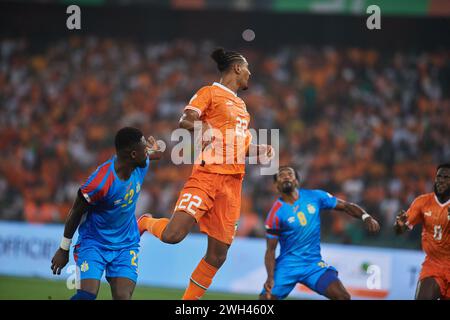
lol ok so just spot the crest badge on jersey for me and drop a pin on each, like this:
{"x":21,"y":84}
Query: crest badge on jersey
{"x":311,"y":209}
{"x":138,"y":187}
{"x":84,"y":266}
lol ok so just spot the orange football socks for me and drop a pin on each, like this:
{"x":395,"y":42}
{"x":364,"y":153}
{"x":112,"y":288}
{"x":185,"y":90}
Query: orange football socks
{"x":153,"y":225}
{"x":200,"y":280}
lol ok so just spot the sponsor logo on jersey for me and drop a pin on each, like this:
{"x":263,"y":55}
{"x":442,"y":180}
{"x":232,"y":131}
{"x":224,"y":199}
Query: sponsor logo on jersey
{"x":428,"y":213}
{"x":291,"y":219}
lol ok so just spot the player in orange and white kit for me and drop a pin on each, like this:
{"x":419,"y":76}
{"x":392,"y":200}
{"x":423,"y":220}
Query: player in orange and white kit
{"x":433,"y":211}
{"x":211,"y":196}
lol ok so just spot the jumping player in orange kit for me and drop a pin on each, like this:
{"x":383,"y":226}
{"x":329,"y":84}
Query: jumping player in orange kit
{"x":211,"y":196}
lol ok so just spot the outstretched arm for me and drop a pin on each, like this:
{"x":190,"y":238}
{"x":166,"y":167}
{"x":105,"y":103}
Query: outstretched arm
{"x":400,"y":225}
{"x":61,"y":257}
{"x":269,"y":261}
{"x":357,"y":212}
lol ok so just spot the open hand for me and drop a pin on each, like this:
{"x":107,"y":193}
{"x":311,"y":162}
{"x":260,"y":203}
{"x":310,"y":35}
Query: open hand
{"x":268,"y":285}
{"x":266,"y":153}
{"x":59,"y":260}
{"x":372,"y":225}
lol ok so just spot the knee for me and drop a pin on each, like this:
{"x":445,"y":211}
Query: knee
{"x":123,"y":295}
{"x":217,"y":259}
{"x":172,"y":237}
{"x":344,"y":295}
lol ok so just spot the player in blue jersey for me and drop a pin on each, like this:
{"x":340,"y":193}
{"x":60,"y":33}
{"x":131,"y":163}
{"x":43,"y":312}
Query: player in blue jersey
{"x":109,"y":236}
{"x":294,"y":222}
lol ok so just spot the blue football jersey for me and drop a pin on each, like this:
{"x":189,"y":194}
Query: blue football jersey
{"x":110,"y":222}
{"x":297,"y":226}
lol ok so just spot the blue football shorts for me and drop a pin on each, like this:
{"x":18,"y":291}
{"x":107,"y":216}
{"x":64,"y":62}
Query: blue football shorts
{"x":317,"y":277}
{"x":92,"y":261}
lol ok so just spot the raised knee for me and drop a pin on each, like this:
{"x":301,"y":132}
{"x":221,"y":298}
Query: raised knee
{"x":172,"y":237}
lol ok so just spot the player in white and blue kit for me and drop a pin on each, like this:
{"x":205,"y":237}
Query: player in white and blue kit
{"x":109,"y":237}
{"x":294,"y":222}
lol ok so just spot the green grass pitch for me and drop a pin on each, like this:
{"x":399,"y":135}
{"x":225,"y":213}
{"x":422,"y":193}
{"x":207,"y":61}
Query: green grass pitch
{"x":42,"y":289}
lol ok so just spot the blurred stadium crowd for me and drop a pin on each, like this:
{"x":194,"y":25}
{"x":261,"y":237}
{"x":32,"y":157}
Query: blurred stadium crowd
{"x":365,"y":125}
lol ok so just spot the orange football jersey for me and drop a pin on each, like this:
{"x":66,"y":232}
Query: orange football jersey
{"x":435,"y":219}
{"x":226,"y":113}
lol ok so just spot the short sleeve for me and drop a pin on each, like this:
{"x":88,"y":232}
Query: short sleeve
{"x":327,"y":200}
{"x":96,"y":187}
{"x":273,"y":221}
{"x":414,"y":213}
{"x":200,"y":101}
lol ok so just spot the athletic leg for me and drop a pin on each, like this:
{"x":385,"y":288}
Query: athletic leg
{"x":218,"y":221}
{"x":121,"y":273}
{"x":121,"y":288}
{"x":337,"y":291}
{"x":88,"y":290}
{"x":428,"y":289}
{"x":324,"y":280}
{"x":90,"y":266}
{"x":168,"y":231}
{"x":205,"y":271}
{"x":195,"y":200}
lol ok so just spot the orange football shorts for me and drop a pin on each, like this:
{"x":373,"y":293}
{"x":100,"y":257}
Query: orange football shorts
{"x":214,"y":200}
{"x":440,"y":271}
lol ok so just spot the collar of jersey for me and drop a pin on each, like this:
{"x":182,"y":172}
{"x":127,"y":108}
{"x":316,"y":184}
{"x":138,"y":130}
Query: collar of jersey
{"x":281,"y":199}
{"x":115,"y":173}
{"x":439,"y":203}
{"x":224,"y":88}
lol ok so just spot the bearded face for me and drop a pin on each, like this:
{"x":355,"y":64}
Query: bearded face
{"x":286,"y":180}
{"x":442,"y":183}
